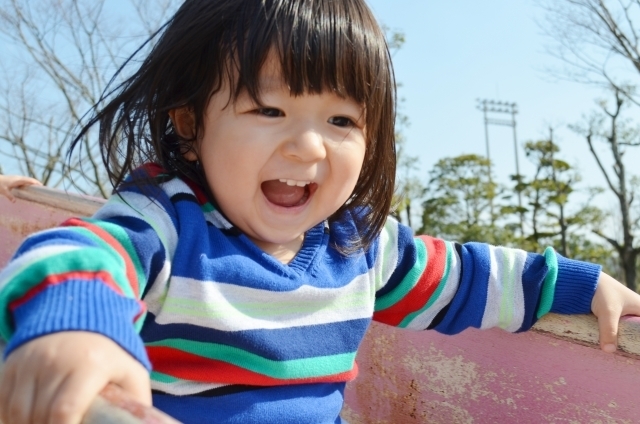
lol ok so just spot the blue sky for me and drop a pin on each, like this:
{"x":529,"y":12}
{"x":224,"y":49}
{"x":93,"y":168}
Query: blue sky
{"x":457,"y":51}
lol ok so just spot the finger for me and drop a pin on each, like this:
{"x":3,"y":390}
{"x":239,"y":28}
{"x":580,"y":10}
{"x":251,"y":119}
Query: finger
{"x":22,"y":395}
{"x":74,"y":396}
{"x":8,"y":195}
{"x":45,"y":391}
{"x":608,"y":327}
{"x":19,"y":182}
{"x":7,"y":382}
{"x":137,"y":384}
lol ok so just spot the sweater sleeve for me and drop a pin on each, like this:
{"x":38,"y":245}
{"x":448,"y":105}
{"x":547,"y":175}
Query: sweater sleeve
{"x":428,"y":283}
{"x":90,"y":274}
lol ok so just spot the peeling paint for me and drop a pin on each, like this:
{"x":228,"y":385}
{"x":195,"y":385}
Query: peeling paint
{"x":489,"y":377}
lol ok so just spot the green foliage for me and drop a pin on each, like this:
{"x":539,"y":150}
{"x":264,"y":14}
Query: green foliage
{"x":551,"y":221}
{"x":459,"y":202}
{"x":463,"y":203}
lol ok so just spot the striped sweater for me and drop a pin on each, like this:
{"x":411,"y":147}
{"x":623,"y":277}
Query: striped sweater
{"x":230,"y":334}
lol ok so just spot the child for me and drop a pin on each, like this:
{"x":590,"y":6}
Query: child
{"x":242,"y":264}
{"x":9,"y":182}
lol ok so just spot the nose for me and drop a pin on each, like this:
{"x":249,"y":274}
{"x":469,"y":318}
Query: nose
{"x":305,"y":144}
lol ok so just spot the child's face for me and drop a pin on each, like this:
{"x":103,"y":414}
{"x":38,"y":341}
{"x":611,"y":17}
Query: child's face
{"x":280,"y":169}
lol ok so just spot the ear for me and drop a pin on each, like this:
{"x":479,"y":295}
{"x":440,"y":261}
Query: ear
{"x":184,"y":122}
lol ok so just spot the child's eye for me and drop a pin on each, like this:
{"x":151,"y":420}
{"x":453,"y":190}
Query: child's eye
{"x":341,"y":121}
{"x":270,"y":112}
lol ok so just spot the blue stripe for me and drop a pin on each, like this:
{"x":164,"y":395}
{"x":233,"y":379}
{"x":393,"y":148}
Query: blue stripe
{"x":236,"y":260}
{"x":535,"y":269}
{"x":79,"y":306}
{"x":278,"y":345}
{"x":304,"y":403}
{"x":146,"y":243}
{"x":468,"y":305}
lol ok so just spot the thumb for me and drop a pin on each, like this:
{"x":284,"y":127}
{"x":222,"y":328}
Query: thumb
{"x":608,"y":327}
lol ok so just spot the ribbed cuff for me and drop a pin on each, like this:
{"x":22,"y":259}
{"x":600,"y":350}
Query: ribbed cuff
{"x":575,"y":286}
{"x":79,"y":305}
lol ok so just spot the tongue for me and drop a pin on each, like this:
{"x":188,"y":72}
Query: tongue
{"x":282,"y":194}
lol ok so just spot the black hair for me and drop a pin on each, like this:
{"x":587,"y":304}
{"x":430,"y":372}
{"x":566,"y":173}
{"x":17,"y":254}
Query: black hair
{"x":322,"y":45}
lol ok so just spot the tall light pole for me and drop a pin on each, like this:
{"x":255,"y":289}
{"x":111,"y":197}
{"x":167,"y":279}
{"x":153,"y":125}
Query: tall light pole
{"x":498,"y":107}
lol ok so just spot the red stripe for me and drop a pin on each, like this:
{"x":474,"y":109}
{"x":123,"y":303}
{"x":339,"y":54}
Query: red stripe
{"x":130,"y":271}
{"x":52,"y":280}
{"x":55,"y":279}
{"x":197,"y":191}
{"x":153,"y":169}
{"x":424,"y":288}
{"x":187,"y":366}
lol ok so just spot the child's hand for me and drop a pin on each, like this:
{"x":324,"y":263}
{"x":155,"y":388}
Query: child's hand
{"x":8,"y":182}
{"x":54,"y":378}
{"x":611,"y":301}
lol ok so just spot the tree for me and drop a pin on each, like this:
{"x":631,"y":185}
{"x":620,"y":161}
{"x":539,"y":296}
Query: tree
{"x":596,"y":40}
{"x":552,"y":220}
{"x":458,"y":202}
{"x":609,"y":126}
{"x":599,"y":42}
{"x":63,"y":55}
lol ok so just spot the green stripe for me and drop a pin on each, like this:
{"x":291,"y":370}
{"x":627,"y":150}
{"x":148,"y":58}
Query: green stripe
{"x":207,"y":207}
{"x":436,"y":294}
{"x":408,"y":282}
{"x":257,"y":309}
{"x":508,"y":277}
{"x":122,"y":237}
{"x":118,"y":272}
{"x":291,"y":369}
{"x":88,"y":259}
{"x":163,"y":378}
{"x":549,"y":286}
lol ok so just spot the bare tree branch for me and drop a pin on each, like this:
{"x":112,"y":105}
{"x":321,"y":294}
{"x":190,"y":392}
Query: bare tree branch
{"x":59,"y":58}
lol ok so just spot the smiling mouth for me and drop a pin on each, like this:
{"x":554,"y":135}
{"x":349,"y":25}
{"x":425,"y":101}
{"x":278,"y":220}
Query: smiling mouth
{"x":288,"y":193}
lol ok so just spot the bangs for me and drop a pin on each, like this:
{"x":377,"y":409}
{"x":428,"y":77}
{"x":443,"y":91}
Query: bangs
{"x":321,"y":45}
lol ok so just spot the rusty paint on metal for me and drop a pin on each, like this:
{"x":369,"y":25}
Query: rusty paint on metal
{"x":487,"y":377}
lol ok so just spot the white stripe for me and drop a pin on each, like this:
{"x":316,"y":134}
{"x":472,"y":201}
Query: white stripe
{"x":518,"y":292}
{"x":505,"y":261}
{"x":177,"y":186}
{"x":140,"y":206}
{"x":29,"y":258}
{"x":423,"y":320}
{"x":491,"y":315}
{"x":184,"y":387}
{"x":216,"y":218}
{"x":386,"y":263}
{"x":228,"y":307}
{"x":154,"y":298}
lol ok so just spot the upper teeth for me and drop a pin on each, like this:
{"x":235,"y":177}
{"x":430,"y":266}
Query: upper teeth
{"x":294,"y":182}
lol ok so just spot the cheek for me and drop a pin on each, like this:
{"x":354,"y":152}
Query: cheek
{"x":351,"y":166}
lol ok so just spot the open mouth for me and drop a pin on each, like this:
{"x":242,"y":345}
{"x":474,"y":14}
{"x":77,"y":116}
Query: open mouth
{"x":288,"y":193}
